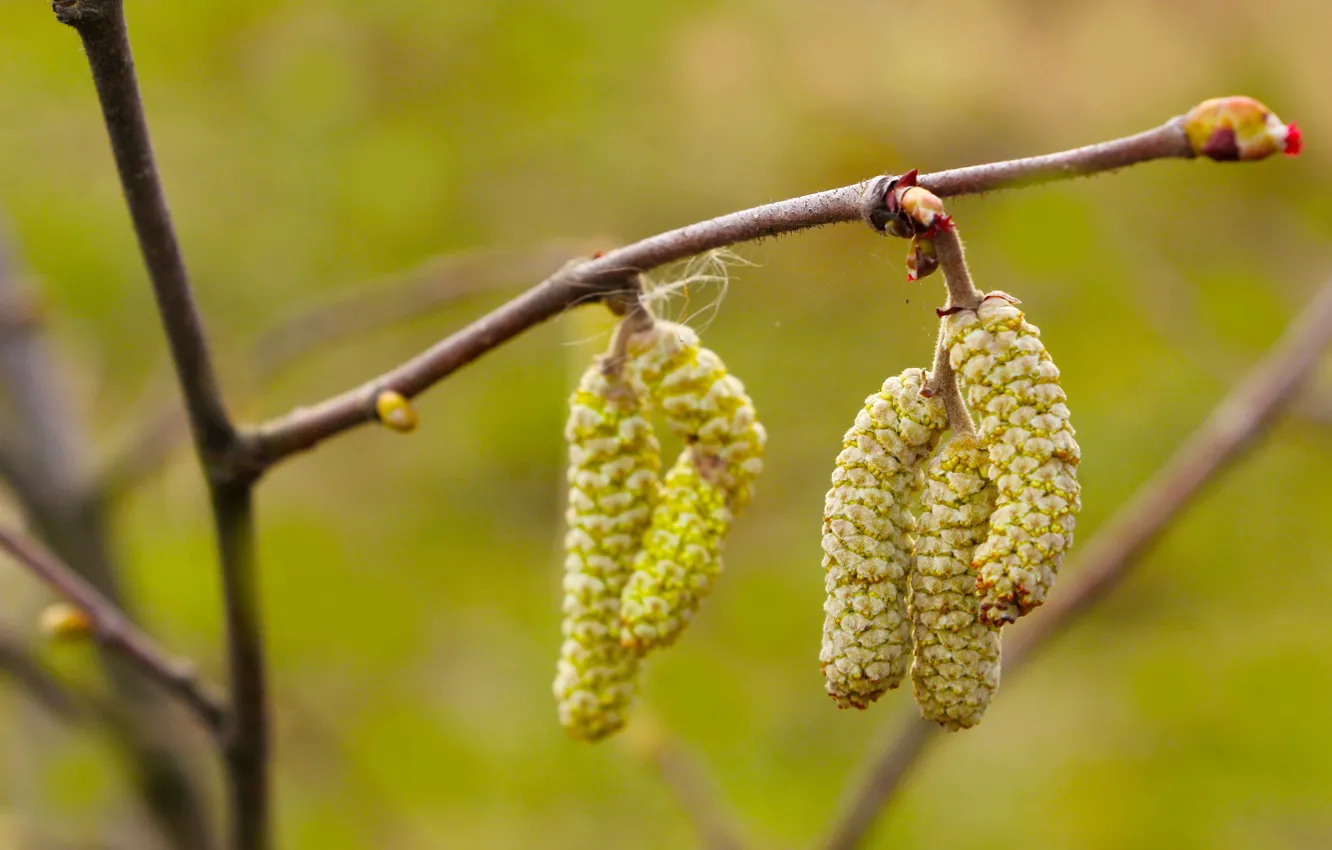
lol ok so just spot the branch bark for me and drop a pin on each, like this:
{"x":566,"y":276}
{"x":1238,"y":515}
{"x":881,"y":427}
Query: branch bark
{"x":304,"y":428}
{"x":102,"y":28}
{"x":1245,"y":414}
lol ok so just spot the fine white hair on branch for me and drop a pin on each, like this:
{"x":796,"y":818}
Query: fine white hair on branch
{"x":693,"y":288}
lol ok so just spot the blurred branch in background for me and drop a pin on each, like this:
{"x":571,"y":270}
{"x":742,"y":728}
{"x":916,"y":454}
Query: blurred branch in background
{"x":1170,"y":304}
{"x":303,"y":428}
{"x":36,"y":682}
{"x":111,"y":629}
{"x":1244,"y":415}
{"x":363,"y":309}
{"x":40,"y":458}
{"x":689,"y":780}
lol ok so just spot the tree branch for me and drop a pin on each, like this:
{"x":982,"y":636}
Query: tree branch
{"x":247,"y":745}
{"x":1246,"y":413}
{"x":689,"y":780}
{"x":363,"y":309}
{"x":101,"y":26}
{"x":113,"y":630}
{"x":304,"y":428}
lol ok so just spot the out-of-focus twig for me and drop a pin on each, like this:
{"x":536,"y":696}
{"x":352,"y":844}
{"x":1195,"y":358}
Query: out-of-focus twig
{"x":1171,"y":306}
{"x":1245,"y":414}
{"x":113,"y":630}
{"x":687,"y":776}
{"x":362,"y":309}
{"x":41,"y":462}
{"x":36,"y":682}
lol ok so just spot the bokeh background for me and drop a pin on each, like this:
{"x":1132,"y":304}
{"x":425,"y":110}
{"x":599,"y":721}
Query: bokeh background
{"x":411,"y":585}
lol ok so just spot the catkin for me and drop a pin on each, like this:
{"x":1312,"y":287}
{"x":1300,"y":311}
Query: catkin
{"x":867,"y":527}
{"x":955,"y":667}
{"x":1013,"y":386}
{"x":712,"y":480}
{"x":613,"y":487}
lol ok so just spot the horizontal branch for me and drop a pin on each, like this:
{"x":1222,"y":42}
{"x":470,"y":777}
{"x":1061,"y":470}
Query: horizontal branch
{"x":1247,"y":412}
{"x":114,"y":631}
{"x":303,"y":428}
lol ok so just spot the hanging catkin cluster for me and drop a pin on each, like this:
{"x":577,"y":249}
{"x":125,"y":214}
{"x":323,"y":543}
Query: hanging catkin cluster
{"x":997,"y":511}
{"x":641,"y":553}
{"x":1013,"y":385}
{"x":867,"y":544}
{"x":710,"y":481}
{"x":613,"y":487}
{"x":955,"y":668}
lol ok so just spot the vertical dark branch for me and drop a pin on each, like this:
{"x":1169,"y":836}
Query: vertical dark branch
{"x":101,"y":25}
{"x":247,"y":742}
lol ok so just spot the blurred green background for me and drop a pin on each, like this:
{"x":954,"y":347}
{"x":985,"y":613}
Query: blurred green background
{"x":411,"y":586}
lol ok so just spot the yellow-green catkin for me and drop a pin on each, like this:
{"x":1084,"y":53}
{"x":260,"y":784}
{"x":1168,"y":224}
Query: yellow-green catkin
{"x":955,"y":666}
{"x":614,"y":461}
{"x":1013,"y":386}
{"x":712,"y":480}
{"x":867,"y":543}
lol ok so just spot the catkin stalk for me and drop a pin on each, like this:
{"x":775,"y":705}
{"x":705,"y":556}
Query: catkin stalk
{"x":867,"y":527}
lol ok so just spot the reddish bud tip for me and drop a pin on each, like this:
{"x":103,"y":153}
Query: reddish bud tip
{"x":1294,"y":139}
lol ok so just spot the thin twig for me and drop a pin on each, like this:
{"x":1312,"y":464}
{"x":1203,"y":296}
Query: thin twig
{"x":1245,"y":414}
{"x":688,"y":778}
{"x":694,"y":789}
{"x":362,"y":309}
{"x":101,"y":26}
{"x":303,"y":428}
{"x":114,"y":631}
{"x":962,"y":295}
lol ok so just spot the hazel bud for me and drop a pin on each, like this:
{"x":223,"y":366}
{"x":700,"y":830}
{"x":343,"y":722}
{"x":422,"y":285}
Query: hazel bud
{"x":395,"y":411}
{"x":64,"y":622}
{"x":1239,"y":128}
